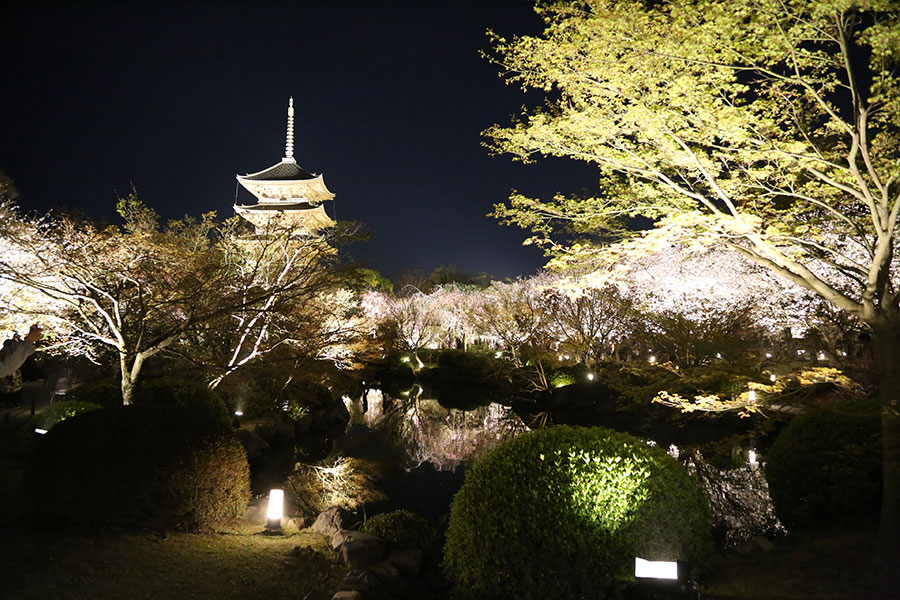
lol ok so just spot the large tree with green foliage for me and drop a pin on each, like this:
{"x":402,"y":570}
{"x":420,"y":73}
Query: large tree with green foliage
{"x":771,"y":127}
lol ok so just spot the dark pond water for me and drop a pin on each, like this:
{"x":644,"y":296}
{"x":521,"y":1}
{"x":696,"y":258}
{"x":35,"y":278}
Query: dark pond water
{"x":426,"y":447}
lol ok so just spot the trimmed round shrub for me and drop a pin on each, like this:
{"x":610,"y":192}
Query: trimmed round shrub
{"x":403,"y":529}
{"x":562,"y":512}
{"x":60,"y":411}
{"x":162,"y":467}
{"x":825,"y":466}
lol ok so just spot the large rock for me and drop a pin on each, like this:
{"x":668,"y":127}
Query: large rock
{"x":408,"y":562}
{"x":359,"y":550}
{"x":331,"y":520}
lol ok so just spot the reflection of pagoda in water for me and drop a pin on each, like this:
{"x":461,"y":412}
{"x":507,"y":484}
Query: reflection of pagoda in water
{"x":287,"y":195}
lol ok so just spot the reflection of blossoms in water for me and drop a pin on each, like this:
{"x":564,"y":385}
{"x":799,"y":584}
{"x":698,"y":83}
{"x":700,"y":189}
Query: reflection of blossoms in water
{"x":430,"y":433}
{"x":447,"y":438}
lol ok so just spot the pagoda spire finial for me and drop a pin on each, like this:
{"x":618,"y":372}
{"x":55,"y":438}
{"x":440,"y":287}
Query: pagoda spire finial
{"x":289,"y":142}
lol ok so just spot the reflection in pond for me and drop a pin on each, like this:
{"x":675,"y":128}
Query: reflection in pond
{"x":446,"y":438}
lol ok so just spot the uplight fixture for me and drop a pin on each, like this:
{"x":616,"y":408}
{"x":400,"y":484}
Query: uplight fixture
{"x":498,"y":354}
{"x":655,"y":569}
{"x":590,"y":376}
{"x":239,"y":413}
{"x":772,"y":377}
{"x":751,"y":395}
{"x":40,"y":431}
{"x":652,"y":359}
{"x":751,"y":457}
{"x":276,"y":506}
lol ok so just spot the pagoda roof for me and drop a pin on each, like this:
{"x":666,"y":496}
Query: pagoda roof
{"x":280,"y":206}
{"x":286,"y":170}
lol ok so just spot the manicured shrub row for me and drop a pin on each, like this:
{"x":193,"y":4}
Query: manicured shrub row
{"x":826,"y":465}
{"x":561,"y":513}
{"x":139,"y":466}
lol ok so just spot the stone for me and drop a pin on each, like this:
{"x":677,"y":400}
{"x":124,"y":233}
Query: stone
{"x":356,"y":580}
{"x":304,"y":552}
{"x":347,"y":595}
{"x":330,"y":521}
{"x":255,"y":512}
{"x":359,"y":550}
{"x":386,"y":573}
{"x":408,"y":562}
{"x":300,"y":522}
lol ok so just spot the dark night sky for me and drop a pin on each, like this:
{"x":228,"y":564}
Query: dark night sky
{"x":390,"y":98}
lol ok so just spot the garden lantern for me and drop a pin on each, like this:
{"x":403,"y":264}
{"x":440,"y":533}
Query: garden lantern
{"x":273,"y":514}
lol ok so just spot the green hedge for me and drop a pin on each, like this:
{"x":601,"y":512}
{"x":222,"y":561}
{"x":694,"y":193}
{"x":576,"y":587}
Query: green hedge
{"x":561,"y":513}
{"x":825,"y":466}
{"x":402,"y":528}
{"x":139,"y":466}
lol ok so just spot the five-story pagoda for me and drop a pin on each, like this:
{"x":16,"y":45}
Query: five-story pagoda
{"x":287,"y":194}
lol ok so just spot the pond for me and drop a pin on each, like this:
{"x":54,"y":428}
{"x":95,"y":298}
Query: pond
{"x":425,"y":447}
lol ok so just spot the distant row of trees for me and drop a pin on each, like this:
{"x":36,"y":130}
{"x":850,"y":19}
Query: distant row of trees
{"x":685,"y":306}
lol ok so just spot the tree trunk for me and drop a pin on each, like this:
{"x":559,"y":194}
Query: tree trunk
{"x":130,"y":366}
{"x":127,"y":385}
{"x":887,"y":360}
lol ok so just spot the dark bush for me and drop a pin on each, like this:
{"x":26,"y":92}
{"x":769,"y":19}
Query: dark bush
{"x":60,"y":411}
{"x":188,"y":392}
{"x":139,"y":466}
{"x":561,"y":513}
{"x":107,"y":393}
{"x":403,"y":529}
{"x":464,"y":366}
{"x":825,"y":466}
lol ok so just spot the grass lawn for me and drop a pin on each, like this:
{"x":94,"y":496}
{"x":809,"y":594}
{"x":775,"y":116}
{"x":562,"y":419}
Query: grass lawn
{"x":237,"y":562}
{"x":834,"y":565}
{"x":229,"y":564}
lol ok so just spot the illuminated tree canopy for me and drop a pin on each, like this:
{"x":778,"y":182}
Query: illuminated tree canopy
{"x":770,"y":127}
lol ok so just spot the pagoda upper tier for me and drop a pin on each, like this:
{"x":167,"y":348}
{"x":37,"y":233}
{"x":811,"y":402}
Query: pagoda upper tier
{"x":286,"y":193}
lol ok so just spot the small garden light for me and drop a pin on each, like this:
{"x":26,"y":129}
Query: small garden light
{"x":768,"y":355}
{"x":276,"y":506}
{"x":652,"y":359}
{"x":751,"y":395}
{"x":772,"y":377}
{"x":821,"y":355}
{"x":40,"y":431}
{"x":751,"y":456}
{"x":498,"y":354}
{"x":239,"y":413}
{"x":655,"y":569}
{"x":590,"y":376}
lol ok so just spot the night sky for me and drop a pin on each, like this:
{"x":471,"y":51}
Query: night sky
{"x":391,"y":99}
